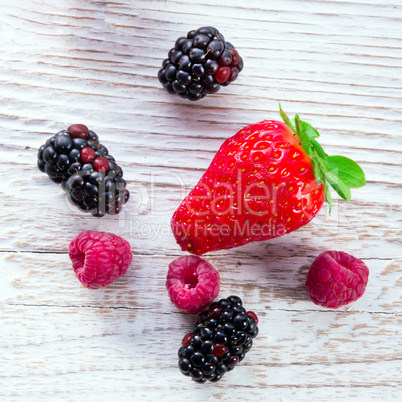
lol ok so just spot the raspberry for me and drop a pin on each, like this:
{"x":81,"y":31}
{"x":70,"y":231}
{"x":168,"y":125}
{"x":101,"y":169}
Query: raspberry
{"x":336,"y":278}
{"x":99,"y":258}
{"x":220,"y":339}
{"x":192,"y":283}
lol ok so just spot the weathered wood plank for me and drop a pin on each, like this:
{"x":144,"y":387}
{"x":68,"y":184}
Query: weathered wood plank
{"x":271,"y":283}
{"x":107,"y":351}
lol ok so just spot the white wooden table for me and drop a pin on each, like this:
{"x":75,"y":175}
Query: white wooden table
{"x":336,"y":63}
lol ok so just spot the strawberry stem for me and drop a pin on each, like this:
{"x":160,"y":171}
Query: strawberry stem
{"x":339,"y":172}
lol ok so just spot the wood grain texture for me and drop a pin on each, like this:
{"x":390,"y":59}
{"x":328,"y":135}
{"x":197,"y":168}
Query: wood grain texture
{"x":337,"y":63}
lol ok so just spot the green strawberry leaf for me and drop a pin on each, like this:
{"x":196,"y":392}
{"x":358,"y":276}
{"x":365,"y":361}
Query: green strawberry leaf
{"x":301,"y":133}
{"x":318,"y":148}
{"x":310,"y":131}
{"x":328,"y":197}
{"x":338,"y":185}
{"x":286,"y":119}
{"x":349,"y":172}
{"x":316,"y":170}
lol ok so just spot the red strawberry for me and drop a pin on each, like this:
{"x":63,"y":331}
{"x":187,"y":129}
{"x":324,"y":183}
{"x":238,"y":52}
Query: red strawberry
{"x":267,"y":180}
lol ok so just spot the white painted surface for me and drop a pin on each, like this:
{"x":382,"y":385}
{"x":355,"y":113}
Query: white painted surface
{"x":338,"y":64}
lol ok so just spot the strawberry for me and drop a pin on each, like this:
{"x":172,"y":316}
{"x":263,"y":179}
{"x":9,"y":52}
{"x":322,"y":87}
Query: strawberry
{"x":267,"y":180}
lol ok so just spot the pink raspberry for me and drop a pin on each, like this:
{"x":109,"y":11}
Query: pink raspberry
{"x":192,"y":283}
{"x":336,"y":278}
{"x":99,"y":258}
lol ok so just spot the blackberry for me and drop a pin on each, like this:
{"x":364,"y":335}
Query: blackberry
{"x":98,"y":187}
{"x":90,"y":176}
{"x":200,"y":64}
{"x":58,"y":156}
{"x":220,"y":339}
